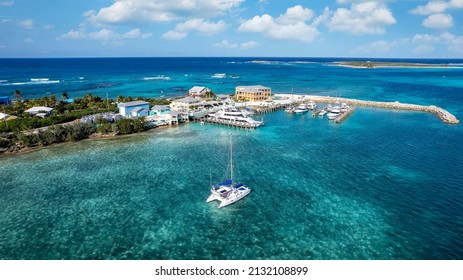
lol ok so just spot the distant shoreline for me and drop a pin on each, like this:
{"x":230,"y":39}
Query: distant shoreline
{"x":379,"y":64}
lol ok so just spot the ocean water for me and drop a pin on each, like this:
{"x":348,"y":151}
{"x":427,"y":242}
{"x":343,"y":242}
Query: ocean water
{"x":383,"y":184}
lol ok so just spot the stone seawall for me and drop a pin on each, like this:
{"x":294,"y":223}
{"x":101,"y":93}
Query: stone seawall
{"x":444,"y":115}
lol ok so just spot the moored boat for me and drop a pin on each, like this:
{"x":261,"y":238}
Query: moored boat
{"x":228,"y":192}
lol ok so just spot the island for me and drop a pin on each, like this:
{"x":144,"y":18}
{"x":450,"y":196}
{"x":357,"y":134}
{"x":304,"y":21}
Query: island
{"x":385,"y":64}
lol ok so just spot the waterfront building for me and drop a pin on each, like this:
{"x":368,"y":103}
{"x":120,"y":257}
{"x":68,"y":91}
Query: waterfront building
{"x":198,"y":91}
{"x":186,"y":103}
{"x":253,"y":93}
{"x":134,"y":109}
{"x":168,"y":118}
{"x":39,"y":111}
{"x":159,"y":110}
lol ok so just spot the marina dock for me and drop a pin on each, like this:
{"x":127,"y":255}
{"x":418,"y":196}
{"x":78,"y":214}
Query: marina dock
{"x":444,"y":115}
{"x":344,"y":115}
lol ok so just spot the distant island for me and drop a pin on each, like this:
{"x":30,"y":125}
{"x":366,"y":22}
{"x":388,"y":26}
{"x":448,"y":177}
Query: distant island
{"x":378,"y":64}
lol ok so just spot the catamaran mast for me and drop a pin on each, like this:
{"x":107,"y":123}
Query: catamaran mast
{"x":231,"y":158}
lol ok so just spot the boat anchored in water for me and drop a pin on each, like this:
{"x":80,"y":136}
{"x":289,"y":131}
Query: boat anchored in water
{"x":227,"y":192}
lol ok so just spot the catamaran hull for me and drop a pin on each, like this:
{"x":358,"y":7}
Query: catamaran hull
{"x":232,"y":198}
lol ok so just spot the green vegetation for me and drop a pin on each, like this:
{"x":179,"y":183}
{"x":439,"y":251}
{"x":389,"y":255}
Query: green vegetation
{"x":60,"y":127}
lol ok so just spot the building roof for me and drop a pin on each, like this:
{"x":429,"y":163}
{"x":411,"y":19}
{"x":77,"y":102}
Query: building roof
{"x":198,"y":89}
{"x":255,"y":88}
{"x":160,"y":108}
{"x":39,"y":109}
{"x":189,"y":100}
{"x":138,"y":109}
{"x":133,"y":103}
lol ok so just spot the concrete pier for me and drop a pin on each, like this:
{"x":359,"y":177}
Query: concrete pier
{"x":344,"y":115}
{"x":444,"y":115}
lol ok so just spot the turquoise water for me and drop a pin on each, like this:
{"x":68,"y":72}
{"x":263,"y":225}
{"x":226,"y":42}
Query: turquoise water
{"x":383,"y":184}
{"x":374,"y":187}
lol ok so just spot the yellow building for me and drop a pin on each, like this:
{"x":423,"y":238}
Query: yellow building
{"x":253,"y":93}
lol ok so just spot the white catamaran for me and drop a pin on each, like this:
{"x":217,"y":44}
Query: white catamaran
{"x":227,"y":192}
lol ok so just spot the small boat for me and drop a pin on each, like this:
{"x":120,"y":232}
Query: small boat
{"x":336,"y":109}
{"x":301,"y":109}
{"x":290,"y":110}
{"x":332,"y":116}
{"x":344,"y":107}
{"x":227,"y":192}
{"x":322,"y":113}
{"x":311,"y":105}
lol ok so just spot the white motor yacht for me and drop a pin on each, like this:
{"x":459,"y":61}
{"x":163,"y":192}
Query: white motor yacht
{"x":235,"y":116}
{"x":311,"y":105}
{"x":301,"y":109}
{"x":332,"y":116}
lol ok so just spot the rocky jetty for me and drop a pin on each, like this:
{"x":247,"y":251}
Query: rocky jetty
{"x":444,"y":115}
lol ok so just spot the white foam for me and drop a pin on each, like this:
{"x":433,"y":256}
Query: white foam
{"x":159,"y":77}
{"x":219,"y":75}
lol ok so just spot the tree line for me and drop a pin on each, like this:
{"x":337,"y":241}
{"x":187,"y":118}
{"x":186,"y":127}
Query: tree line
{"x":61,"y":126}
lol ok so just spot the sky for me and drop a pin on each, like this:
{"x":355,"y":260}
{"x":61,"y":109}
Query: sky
{"x":232,"y":28}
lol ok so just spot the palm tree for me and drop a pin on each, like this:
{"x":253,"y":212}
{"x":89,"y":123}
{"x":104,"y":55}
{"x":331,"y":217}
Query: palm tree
{"x":52,"y":101}
{"x":18,"y":95}
{"x":65,"y":95}
{"x":120,"y":99}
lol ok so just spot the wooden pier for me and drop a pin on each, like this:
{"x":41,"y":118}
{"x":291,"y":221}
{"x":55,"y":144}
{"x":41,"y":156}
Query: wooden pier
{"x":344,"y":115}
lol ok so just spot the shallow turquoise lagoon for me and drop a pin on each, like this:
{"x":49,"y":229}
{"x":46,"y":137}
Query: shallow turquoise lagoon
{"x":382,"y":185}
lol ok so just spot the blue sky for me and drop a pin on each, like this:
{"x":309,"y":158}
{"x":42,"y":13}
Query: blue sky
{"x":310,"y":28}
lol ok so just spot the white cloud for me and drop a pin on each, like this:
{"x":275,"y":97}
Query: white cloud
{"x":27,"y":23}
{"x":195,"y":25}
{"x":363,"y":18}
{"x":7,"y":3}
{"x":104,"y":35}
{"x":291,"y":25}
{"x":48,"y":27}
{"x":456,"y":4}
{"x":453,"y":42}
{"x":438,"y":21}
{"x":381,"y":46}
{"x":434,"y":7}
{"x":123,"y":11}
{"x":431,"y":8}
{"x":74,"y":35}
{"x":227,"y":45}
{"x":29,"y":40}
{"x":174,"y":35}
{"x":422,"y":49}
